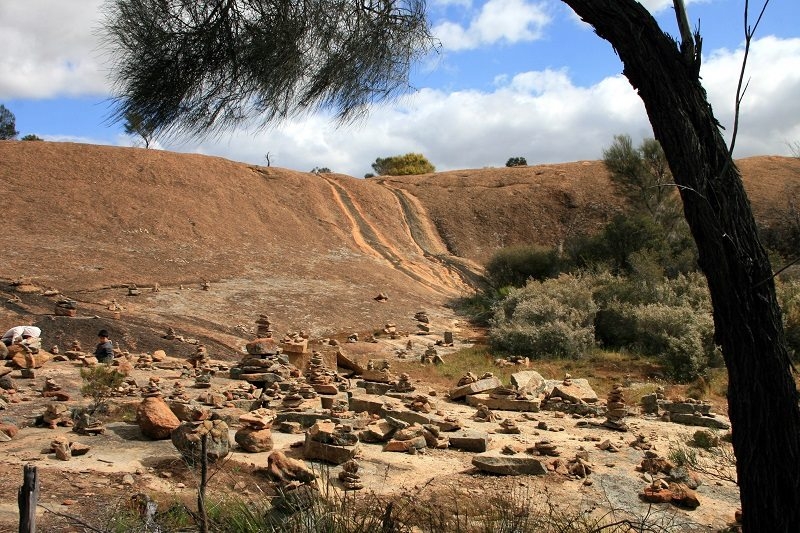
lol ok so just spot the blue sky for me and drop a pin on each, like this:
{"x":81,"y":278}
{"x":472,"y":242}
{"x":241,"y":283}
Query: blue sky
{"x":513,"y":78}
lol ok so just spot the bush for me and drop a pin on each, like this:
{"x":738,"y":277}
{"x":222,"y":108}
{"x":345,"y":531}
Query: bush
{"x":516,"y":162}
{"x":552,"y":318}
{"x":681,"y":336}
{"x":403,"y":165}
{"x":99,"y":383}
{"x":515,"y":265}
{"x":31,"y":137}
{"x":788,"y":293}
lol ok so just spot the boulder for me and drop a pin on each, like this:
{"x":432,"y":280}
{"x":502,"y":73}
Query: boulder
{"x":254,"y":440}
{"x":529,"y":382}
{"x":482,"y":385}
{"x":329,"y":453}
{"x":23,"y":359}
{"x":573,"y":390}
{"x":187,"y":438}
{"x":496,"y":462}
{"x":155,"y":418}
{"x":470,"y":441}
{"x":283,"y":469}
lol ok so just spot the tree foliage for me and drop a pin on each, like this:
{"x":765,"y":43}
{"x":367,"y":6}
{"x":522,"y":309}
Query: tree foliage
{"x":8,"y":124}
{"x":642,"y":175}
{"x":403,"y":165}
{"x":135,"y":125}
{"x":516,"y":162}
{"x":31,"y":137}
{"x":514,"y":265}
{"x":190,"y":66}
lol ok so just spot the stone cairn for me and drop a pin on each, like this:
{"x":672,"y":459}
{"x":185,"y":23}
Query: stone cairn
{"x":617,"y":411}
{"x":484,"y":414}
{"x":263,"y":327}
{"x":423,"y":322}
{"x":255,"y":435}
{"x":349,"y":476}
{"x":545,"y":447}
{"x":293,"y":399}
{"x":403,"y":384}
{"x":66,"y":307}
{"x":509,"y":427}
{"x":153,"y":388}
{"x":199,"y":358}
{"x":319,"y":377}
{"x":431,"y":356}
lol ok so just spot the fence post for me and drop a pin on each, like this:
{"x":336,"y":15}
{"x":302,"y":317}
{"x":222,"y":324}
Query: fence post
{"x":27,"y":498}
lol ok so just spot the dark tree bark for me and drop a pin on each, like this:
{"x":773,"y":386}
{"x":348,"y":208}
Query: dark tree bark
{"x":762,"y":396}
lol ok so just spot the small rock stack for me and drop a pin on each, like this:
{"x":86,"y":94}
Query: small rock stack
{"x":403,"y":384}
{"x":325,"y":441}
{"x":66,"y":308}
{"x":263,"y":327}
{"x":484,"y":414}
{"x":545,"y":447}
{"x":617,"y":411}
{"x":199,"y":358}
{"x":349,"y":476}
{"x":319,"y":377}
{"x":255,"y":435}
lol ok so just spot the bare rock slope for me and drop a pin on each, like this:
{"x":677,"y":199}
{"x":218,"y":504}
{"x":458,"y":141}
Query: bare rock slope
{"x":312,"y":251}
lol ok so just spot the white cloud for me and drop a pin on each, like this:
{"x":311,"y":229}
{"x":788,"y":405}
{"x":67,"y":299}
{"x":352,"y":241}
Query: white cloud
{"x":49,"y":48}
{"x":770,"y":111}
{"x":499,"y":21}
{"x":543,"y":116}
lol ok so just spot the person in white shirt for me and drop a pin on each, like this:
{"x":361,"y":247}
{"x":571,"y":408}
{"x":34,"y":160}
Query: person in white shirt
{"x":19,"y":333}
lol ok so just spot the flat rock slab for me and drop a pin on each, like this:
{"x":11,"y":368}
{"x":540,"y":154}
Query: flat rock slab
{"x":313,"y":450}
{"x":482,"y":385}
{"x":529,"y":381}
{"x":504,"y":404}
{"x":469,"y":441}
{"x":577,"y":391}
{"x":519,"y":464}
{"x":715,"y":422}
{"x":370,"y":404}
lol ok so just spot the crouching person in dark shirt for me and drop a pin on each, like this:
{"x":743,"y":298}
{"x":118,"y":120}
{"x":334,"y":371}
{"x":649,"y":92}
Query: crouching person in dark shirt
{"x":105,"y":348}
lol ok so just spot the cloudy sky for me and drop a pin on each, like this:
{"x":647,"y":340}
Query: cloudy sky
{"x":512,"y":78}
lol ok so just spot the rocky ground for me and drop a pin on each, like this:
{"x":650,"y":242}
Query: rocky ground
{"x":122,"y":461}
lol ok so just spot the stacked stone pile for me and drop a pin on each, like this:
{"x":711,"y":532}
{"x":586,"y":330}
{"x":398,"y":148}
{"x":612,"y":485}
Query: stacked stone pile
{"x":686,"y":411}
{"x":349,"y":476}
{"x":617,"y":411}
{"x":65,"y":307}
{"x":325,"y":441}
{"x":407,"y":439}
{"x":320,"y":378}
{"x":255,"y":435}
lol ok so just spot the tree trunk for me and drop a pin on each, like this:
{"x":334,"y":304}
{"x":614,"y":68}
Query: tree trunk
{"x":762,"y":396}
{"x":28,"y":499}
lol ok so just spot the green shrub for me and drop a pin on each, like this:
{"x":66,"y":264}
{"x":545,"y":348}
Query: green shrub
{"x":703,"y":438}
{"x":515,"y":265}
{"x":99,"y":383}
{"x":516,"y":162}
{"x":403,"y":165}
{"x":788,"y":293}
{"x":551,"y":318}
{"x":681,"y":336}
